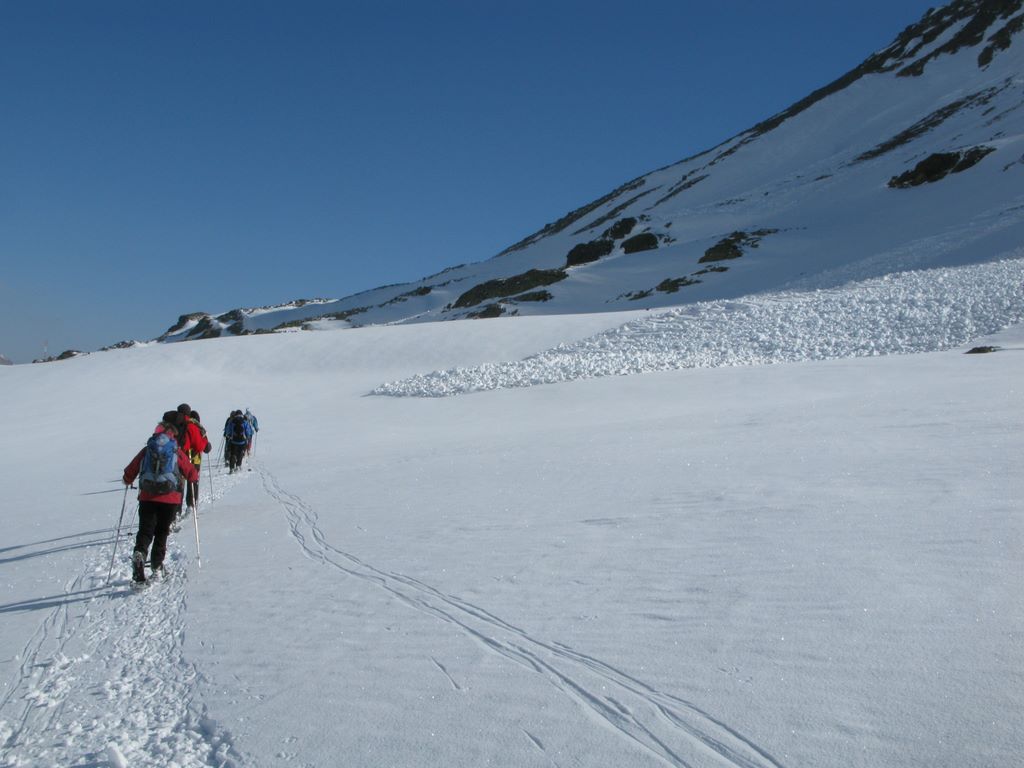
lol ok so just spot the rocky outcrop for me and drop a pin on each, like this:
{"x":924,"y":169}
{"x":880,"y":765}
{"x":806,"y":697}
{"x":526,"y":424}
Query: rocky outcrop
{"x":938,"y":166}
{"x":731,"y":247}
{"x":646,"y":241}
{"x":584,"y":253}
{"x":497,"y":289}
{"x":65,"y":355}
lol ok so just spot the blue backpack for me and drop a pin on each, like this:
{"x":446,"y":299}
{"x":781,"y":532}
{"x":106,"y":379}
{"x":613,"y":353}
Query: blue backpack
{"x":159,"y":473}
{"x":239,"y":434}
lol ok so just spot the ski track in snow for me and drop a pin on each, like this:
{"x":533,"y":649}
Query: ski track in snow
{"x":901,"y":313}
{"x":676,"y":731}
{"x":106,"y":666}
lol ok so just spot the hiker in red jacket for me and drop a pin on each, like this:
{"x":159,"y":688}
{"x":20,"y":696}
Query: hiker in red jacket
{"x":195,"y":444}
{"x":193,"y":439}
{"x":157,"y":508}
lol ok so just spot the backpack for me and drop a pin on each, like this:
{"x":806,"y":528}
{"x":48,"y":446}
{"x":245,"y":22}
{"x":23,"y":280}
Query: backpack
{"x":238,"y":430}
{"x":159,"y":472}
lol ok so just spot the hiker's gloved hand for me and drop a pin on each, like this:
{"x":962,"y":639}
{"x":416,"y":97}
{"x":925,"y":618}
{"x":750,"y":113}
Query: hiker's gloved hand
{"x":208,"y":448}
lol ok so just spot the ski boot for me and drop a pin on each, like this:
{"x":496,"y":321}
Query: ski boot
{"x":138,"y":568}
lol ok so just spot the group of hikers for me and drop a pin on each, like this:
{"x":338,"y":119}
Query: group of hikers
{"x":239,"y":430}
{"x":168,"y":472}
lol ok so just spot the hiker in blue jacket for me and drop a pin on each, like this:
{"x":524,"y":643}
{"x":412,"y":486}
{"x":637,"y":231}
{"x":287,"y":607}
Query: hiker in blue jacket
{"x":237,"y":434}
{"x":254,"y":425}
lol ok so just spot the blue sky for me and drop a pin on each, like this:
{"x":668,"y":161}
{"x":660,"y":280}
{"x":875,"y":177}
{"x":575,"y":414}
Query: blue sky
{"x":158,"y":158}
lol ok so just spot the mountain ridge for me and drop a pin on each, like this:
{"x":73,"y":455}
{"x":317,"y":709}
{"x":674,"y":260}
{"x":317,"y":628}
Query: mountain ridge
{"x":911,"y":159}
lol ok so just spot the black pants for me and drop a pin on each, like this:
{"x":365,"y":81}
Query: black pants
{"x":155,"y":520}
{"x":235,"y":454}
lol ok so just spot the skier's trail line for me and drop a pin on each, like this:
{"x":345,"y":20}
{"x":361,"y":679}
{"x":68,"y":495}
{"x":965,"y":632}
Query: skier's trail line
{"x":674,"y":730}
{"x":108,"y":666}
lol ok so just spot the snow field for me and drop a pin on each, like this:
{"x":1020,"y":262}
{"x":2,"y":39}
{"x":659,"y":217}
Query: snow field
{"x":756,"y":565}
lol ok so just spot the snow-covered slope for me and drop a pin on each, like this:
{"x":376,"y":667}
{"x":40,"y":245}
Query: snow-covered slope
{"x":813,"y":563}
{"x":898,"y":314}
{"x":914,"y":159}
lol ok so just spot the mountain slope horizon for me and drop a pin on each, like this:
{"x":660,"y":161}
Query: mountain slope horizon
{"x":911,"y":160}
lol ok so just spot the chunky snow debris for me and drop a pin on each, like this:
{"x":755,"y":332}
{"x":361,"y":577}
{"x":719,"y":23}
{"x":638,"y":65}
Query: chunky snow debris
{"x":921,"y":311}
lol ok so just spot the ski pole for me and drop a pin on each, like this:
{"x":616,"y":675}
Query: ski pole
{"x":195,"y":518}
{"x":117,"y":536}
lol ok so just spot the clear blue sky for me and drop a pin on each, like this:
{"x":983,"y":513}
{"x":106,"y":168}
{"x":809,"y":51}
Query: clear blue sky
{"x":163,"y":157}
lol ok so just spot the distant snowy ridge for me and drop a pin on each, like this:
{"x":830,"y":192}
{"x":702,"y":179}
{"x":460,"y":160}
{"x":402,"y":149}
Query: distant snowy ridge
{"x":909,"y":312}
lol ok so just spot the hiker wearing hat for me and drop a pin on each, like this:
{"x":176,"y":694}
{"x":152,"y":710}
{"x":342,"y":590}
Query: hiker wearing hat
{"x":195,"y":444}
{"x":162,"y":469}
